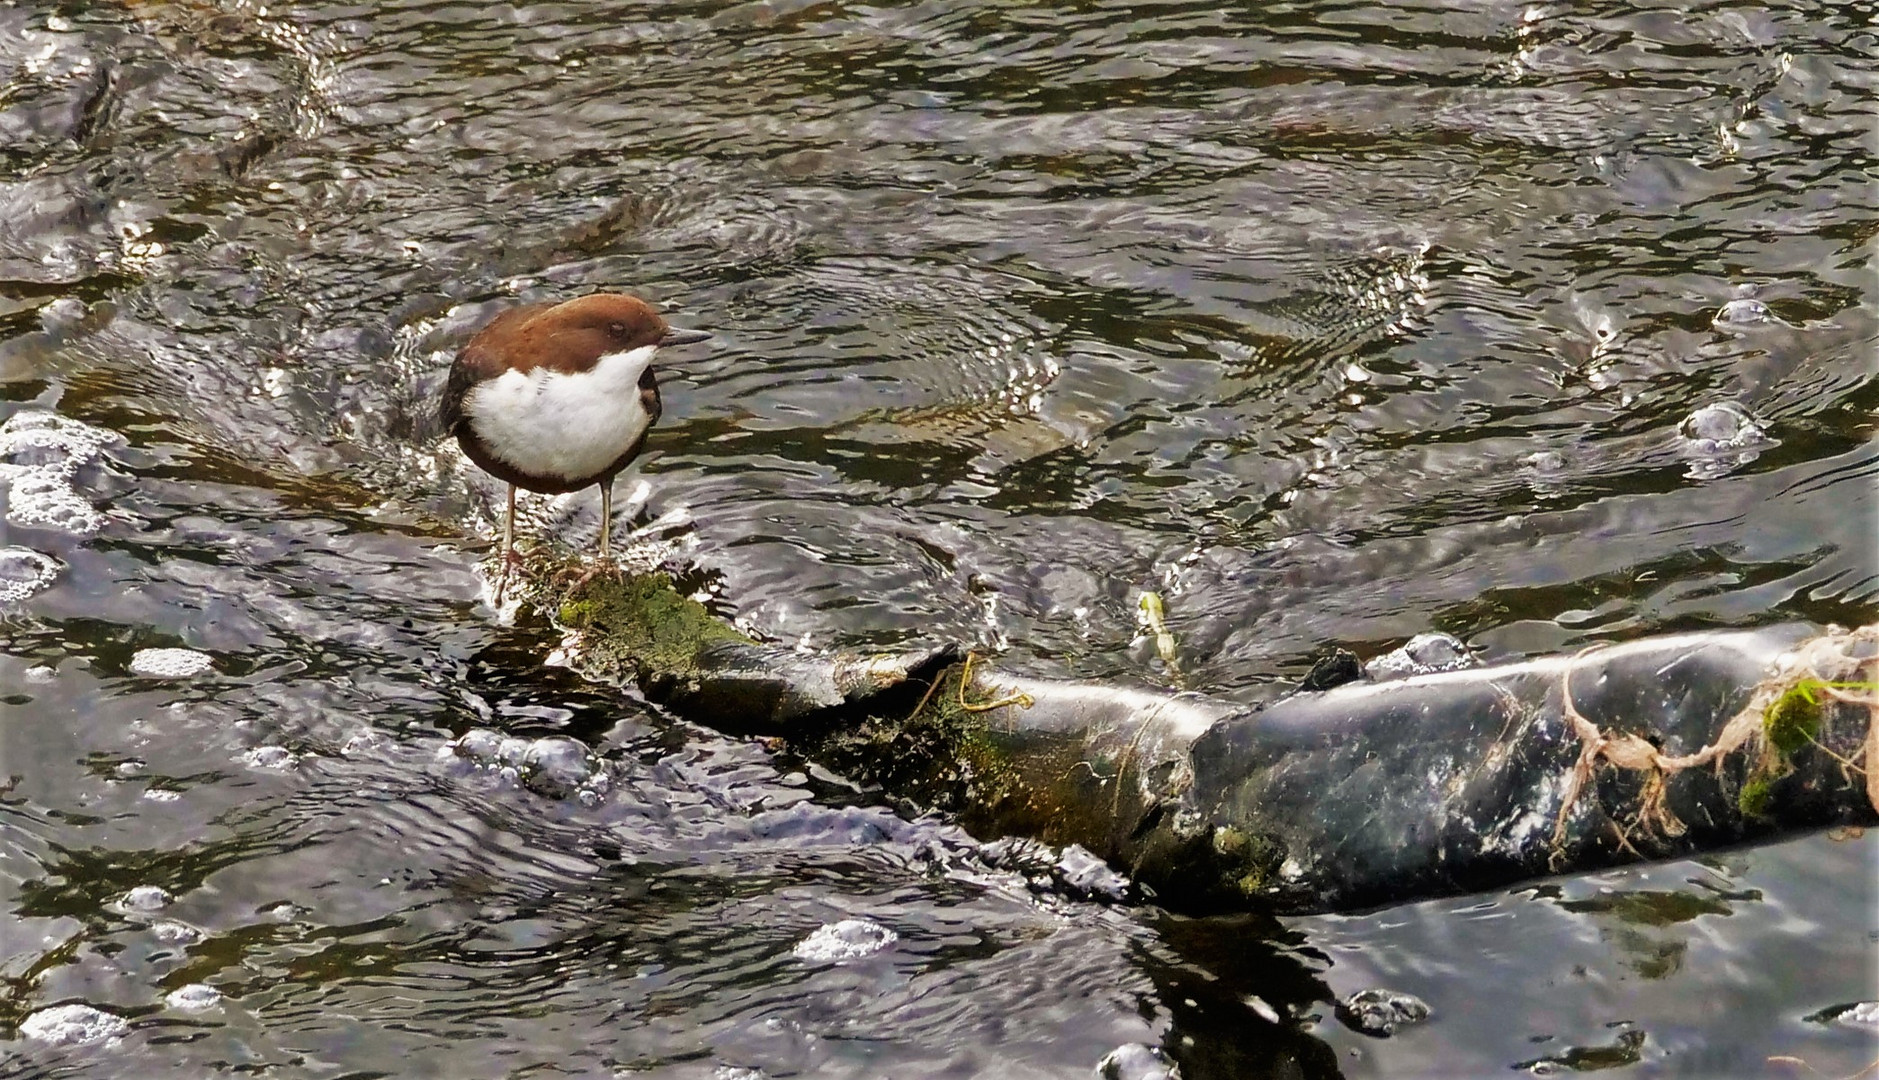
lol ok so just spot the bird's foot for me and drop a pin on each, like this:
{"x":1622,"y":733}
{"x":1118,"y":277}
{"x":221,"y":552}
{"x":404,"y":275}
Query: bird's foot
{"x":512,"y":565}
{"x":606,"y":568}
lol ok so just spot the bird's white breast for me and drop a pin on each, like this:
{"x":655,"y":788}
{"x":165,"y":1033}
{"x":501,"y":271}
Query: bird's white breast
{"x":571,"y":426}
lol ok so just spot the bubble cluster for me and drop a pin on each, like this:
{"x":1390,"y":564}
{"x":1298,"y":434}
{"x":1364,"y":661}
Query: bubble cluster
{"x":175,"y":933}
{"x":24,"y":572}
{"x":40,"y":455}
{"x":1718,"y":438}
{"x":1027,"y":375}
{"x":849,"y":939}
{"x":170,"y":663}
{"x":1743,"y":312}
{"x":1380,"y":1012}
{"x":67,"y":1025}
{"x":269,"y":757}
{"x":1865,"y":1014}
{"x":1720,"y":427}
{"x":146,"y":898}
{"x":193,"y":998}
{"x":1136,"y":1061}
{"x":555,"y":767}
{"x":1423,"y":654}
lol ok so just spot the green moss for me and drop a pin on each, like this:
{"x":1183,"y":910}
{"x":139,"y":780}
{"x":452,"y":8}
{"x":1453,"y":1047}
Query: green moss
{"x":939,"y":755}
{"x":1788,"y":726}
{"x":639,"y":621}
{"x":1757,"y":791}
{"x":1793,"y":720}
{"x":1252,"y":860}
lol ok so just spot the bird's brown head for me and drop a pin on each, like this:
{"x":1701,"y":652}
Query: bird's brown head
{"x":613,"y":321}
{"x":574,"y":334}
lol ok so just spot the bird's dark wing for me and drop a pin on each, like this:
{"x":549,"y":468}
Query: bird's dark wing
{"x":649,"y":396}
{"x":462,"y":378}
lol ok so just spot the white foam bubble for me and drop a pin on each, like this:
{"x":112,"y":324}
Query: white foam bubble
{"x":146,"y":898}
{"x":40,"y":453}
{"x":1723,"y":426}
{"x":51,"y":435}
{"x":1718,"y":438}
{"x":1380,"y":1012}
{"x":24,"y":572}
{"x":849,"y":939}
{"x":1865,"y":1014}
{"x":170,"y":663}
{"x":193,"y":998}
{"x":47,"y":500}
{"x":1135,"y":1061}
{"x":71,"y":1024}
{"x":1421,"y":655}
{"x":269,"y":757}
{"x":1744,"y":312}
{"x":175,"y":932}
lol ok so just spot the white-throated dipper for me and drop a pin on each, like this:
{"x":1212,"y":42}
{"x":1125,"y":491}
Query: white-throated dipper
{"x":554,"y":397}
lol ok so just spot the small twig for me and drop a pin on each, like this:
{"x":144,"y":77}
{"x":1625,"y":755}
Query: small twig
{"x":1087,"y":767}
{"x":1128,"y":754}
{"x":1020,"y":699}
{"x":938,"y":677}
{"x":1838,"y":692}
{"x":1624,"y":840}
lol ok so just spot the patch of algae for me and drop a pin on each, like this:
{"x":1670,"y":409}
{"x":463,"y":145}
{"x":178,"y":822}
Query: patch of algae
{"x":638,"y":623}
{"x":1793,"y":720}
{"x":1790,"y":723}
{"x":1251,"y":860}
{"x":1757,"y":791}
{"x":938,"y":754}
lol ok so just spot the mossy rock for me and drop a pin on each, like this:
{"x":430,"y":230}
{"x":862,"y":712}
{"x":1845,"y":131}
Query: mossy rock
{"x":643,"y":622}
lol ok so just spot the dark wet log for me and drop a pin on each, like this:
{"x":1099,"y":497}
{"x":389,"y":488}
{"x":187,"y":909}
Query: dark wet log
{"x":1380,"y":792}
{"x":1366,"y":794}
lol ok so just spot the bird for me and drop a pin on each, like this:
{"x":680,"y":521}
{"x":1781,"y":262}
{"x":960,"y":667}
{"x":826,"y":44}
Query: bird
{"x":554,"y":397}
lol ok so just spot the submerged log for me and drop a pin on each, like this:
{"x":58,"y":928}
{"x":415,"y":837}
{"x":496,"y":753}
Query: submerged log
{"x":1361,"y":795}
{"x":1377,"y":792}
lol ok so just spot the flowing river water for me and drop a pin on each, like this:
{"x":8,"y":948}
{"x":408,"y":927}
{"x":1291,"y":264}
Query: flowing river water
{"x":1535,"y":323}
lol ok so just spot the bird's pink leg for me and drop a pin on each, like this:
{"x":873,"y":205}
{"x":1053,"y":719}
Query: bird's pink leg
{"x":510,"y":560}
{"x":604,"y":565}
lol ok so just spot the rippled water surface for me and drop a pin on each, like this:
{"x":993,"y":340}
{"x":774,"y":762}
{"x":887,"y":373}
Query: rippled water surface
{"x":1535,"y":323}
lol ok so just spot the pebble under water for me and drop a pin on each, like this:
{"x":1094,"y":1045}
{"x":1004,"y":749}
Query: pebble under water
{"x":1442,"y":333}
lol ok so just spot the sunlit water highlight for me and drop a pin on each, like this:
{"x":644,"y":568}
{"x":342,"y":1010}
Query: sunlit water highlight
{"x":1532,"y":324}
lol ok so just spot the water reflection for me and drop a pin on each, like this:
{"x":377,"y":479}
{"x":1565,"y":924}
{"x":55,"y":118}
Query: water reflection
{"x":1330,"y":323}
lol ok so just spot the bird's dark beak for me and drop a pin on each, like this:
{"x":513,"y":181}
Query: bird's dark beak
{"x":676,"y":336}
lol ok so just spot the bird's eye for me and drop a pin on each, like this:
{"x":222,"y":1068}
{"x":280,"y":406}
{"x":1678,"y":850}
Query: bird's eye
{"x":617,"y":329}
